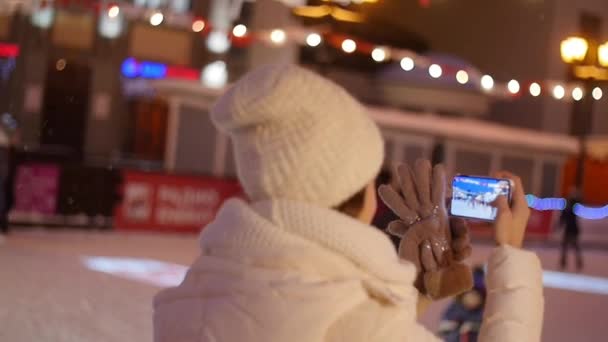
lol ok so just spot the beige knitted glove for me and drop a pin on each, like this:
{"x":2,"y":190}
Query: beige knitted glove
{"x":433,"y":243}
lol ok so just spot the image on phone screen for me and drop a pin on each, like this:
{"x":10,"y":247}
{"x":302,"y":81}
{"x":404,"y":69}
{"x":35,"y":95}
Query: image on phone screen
{"x":472,"y":196}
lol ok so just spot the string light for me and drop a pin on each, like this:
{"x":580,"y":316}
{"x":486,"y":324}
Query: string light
{"x":597,"y":93}
{"x":198,"y":25}
{"x":513,"y":86}
{"x":407,"y":64}
{"x":113,"y":11}
{"x":546,"y":203}
{"x":487,"y":82}
{"x":590,"y":213}
{"x":462,"y":77}
{"x":577,"y":94}
{"x":435,"y":71}
{"x":156,"y":19}
{"x":218,"y":42}
{"x":559,"y":92}
{"x":240,"y":30}
{"x":535,"y":89}
{"x":379,"y":54}
{"x":313,"y":39}
{"x":349,"y":46}
{"x":278,"y":36}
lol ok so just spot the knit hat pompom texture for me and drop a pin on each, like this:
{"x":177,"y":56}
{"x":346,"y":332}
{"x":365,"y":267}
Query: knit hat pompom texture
{"x":298,"y":136}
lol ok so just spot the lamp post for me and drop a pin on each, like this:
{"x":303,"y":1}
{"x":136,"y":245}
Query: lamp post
{"x":588,"y":61}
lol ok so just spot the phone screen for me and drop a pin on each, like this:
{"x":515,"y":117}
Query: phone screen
{"x":471,"y":196}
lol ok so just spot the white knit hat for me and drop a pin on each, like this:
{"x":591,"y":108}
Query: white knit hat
{"x":298,"y":136}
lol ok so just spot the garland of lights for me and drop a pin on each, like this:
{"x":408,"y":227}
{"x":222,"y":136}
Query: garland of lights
{"x":582,"y":211}
{"x":219,"y":42}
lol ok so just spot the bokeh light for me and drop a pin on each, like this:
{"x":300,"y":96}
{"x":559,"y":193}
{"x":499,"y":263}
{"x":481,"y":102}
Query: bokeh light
{"x":198,"y":25}
{"x":349,"y":46}
{"x":379,"y":54}
{"x":513,"y":86}
{"x":487,"y":82}
{"x":239,"y":30}
{"x":407,"y":63}
{"x":278,"y":36}
{"x":462,"y":77}
{"x":535,"y":89}
{"x":313,"y":39}
{"x":559,"y":92}
{"x":156,"y":19}
{"x":435,"y":71}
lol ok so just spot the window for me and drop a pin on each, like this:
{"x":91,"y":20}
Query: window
{"x":522,"y":167}
{"x":549,"y":180}
{"x":411,"y":153}
{"x":472,"y":163}
{"x":389,"y":147}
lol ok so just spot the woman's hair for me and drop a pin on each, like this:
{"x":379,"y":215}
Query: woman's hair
{"x":353,"y":205}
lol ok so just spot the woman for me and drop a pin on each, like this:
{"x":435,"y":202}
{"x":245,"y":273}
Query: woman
{"x":301,"y":262}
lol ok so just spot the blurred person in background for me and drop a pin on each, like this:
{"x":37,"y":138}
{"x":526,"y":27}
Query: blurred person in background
{"x":570,"y":237}
{"x":462,"y":320}
{"x":8,"y":140}
{"x":300,"y":261}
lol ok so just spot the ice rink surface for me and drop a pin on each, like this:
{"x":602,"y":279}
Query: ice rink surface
{"x":84,"y":286}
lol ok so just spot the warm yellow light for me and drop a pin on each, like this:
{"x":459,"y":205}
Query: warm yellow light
{"x":574,"y":49}
{"x":577,"y":94}
{"x":462,"y":77}
{"x":346,"y":15}
{"x":278,"y":36}
{"x":513,"y":86}
{"x":535,"y":89}
{"x":324,"y":10}
{"x":113,"y":11}
{"x":487,"y":82}
{"x":60,"y":65}
{"x":559,"y":92}
{"x":349,"y":46}
{"x":379,"y":54}
{"x":435,"y":71}
{"x":198,"y":25}
{"x":312,"y":11}
{"x":602,"y":54}
{"x":239,"y":31}
{"x":407,"y":64}
{"x":597,"y":93}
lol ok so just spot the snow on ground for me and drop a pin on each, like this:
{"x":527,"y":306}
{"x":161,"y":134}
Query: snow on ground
{"x":98,"y":286}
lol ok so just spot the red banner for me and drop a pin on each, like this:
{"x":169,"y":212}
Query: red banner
{"x":172,"y":203}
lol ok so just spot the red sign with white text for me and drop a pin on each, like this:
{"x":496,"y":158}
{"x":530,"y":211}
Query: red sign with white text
{"x":172,"y":203}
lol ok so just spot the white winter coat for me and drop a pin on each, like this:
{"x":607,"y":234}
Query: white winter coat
{"x":287,"y":271}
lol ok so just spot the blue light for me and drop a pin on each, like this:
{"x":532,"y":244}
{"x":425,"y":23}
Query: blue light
{"x":545,"y":203}
{"x":130,"y":68}
{"x":590,"y":213}
{"x":153,"y":70}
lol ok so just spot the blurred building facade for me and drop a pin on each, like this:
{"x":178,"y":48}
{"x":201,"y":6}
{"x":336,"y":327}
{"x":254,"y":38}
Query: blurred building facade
{"x":70,"y":91}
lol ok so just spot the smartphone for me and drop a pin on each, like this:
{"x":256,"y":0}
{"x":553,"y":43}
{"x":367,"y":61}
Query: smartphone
{"x":472,"y":195}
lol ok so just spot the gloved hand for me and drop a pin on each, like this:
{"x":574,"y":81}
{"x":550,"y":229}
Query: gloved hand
{"x":435,"y":244}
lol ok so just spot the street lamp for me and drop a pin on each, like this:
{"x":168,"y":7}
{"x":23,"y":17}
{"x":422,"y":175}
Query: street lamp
{"x":574,"y":49}
{"x":587,"y":60}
